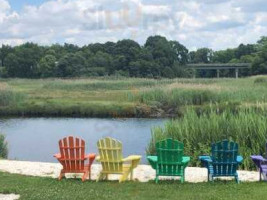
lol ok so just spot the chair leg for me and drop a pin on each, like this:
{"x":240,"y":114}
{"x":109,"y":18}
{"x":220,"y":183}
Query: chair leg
{"x":131,"y":175}
{"x":124,"y":176}
{"x":61,"y":175}
{"x":210,"y":178}
{"x":100,"y":177}
{"x":182,"y":179}
{"x":157,"y":179}
{"x":85,"y":175}
{"x":89,"y":174}
{"x":237,"y":179}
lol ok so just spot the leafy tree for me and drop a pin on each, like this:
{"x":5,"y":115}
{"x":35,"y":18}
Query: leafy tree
{"x":203,"y":55}
{"x":4,"y":51}
{"x":180,"y":71}
{"x":71,"y":65}
{"x":143,"y":68}
{"x":26,"y":58}
{"x":47,"y":66}
{"x":162,"y":50}
{"x":243,"y":50}
{"x":119,"y":63}
{"x":259,"y":65}
{"x":127,"y":48}
{"x":96,"y":47}
{"x":180,"y":51}
{"x":158,"y":57}
{"x":71,"y":48}
{"x":223,"y":56}
{"x":12,"y":65}
{"x":168,"y":72}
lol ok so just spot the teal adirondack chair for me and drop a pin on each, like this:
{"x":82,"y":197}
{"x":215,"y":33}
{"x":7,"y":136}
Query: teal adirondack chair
{"x":170,"y":159}
{"x":224,"y":160}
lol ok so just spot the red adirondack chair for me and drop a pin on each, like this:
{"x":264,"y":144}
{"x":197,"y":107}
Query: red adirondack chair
{"x":72,"y":157}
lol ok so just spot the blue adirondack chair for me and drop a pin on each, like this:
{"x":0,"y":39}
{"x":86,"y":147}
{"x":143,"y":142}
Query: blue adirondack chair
{"x":261,"y":164}
{"x":224,"y":160}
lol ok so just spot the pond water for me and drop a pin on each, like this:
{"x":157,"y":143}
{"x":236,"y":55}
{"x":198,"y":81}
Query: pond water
{"x":36,"y":139}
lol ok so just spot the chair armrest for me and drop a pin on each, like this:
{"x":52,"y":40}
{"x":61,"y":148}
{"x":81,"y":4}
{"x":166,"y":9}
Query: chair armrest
{"x":186,"y":159}
{"x":258,"y":158}
{"x":239,"y":159}
{"x":90,"y":157}
{"x":132,"y":158}
{"x":57,"y":156}
{"x":206,"y":159}
{"x":153,"y":161}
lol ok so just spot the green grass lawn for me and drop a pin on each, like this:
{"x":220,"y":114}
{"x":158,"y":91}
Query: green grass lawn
{"x":125,"y":97}
{"x":48,"y":188}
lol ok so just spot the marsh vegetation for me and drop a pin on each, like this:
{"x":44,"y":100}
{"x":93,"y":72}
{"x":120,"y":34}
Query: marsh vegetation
{"x":127,"y":97}
{"x":247,"y":127}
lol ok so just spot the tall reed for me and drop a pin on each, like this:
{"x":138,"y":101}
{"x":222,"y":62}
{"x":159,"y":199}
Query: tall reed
{"x":247,"y":127}
{"x":9,"y":97}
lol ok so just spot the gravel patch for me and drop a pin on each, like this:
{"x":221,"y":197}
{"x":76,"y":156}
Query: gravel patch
{"x":9,"y":196}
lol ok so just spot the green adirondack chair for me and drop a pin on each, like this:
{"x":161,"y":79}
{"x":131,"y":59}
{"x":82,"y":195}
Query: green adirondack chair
{"x":170,"y":159}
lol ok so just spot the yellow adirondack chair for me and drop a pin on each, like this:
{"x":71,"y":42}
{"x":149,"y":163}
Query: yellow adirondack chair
{"x":112,"y":161}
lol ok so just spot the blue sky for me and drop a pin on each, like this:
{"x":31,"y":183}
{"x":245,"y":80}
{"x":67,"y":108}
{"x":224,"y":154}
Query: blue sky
{"x":216,"y":24}
{"x":18,"y":4}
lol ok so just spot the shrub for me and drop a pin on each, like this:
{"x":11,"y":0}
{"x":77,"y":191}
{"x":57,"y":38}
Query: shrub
{"x":261,"y":80}
{"x":3,"y":147}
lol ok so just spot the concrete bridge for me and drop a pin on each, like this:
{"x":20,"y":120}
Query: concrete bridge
{"x":219,"y":66}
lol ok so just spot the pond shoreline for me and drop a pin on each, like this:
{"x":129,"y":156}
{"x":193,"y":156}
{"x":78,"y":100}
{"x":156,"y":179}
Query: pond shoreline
{"x":79,"y":112}
{"x":142,"y":173}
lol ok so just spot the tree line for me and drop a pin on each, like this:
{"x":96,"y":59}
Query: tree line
{"x":158,"y":57}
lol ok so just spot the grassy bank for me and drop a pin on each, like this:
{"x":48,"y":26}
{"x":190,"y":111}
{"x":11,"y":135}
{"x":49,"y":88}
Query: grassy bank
{"x":110,"y":97}
{"x":48,"y":188}
{"x":247,"y":127}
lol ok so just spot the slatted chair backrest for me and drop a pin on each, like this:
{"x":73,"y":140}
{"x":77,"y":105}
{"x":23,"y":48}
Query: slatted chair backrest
{"x":110,"y":151}
{"x":170,"y":154}
{"x":224,"y":157}
{"x":72,"y":151}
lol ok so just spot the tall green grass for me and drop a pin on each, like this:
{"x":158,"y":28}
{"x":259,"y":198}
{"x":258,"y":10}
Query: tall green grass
{"x":247,"y":127}
{"x":10,"y":98}
{"x":110,"y":84}
{"x":175,"y":97}
{"x":3,"y":147}
{"x":189,"y":96}
{"x":103,"y":84}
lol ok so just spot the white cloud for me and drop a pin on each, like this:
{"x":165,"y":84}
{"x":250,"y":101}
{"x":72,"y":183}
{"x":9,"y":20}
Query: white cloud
{"x":206,"y":23}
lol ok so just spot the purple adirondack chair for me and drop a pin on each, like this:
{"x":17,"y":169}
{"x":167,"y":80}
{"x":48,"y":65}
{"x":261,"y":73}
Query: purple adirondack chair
{"x":261,"y":164}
